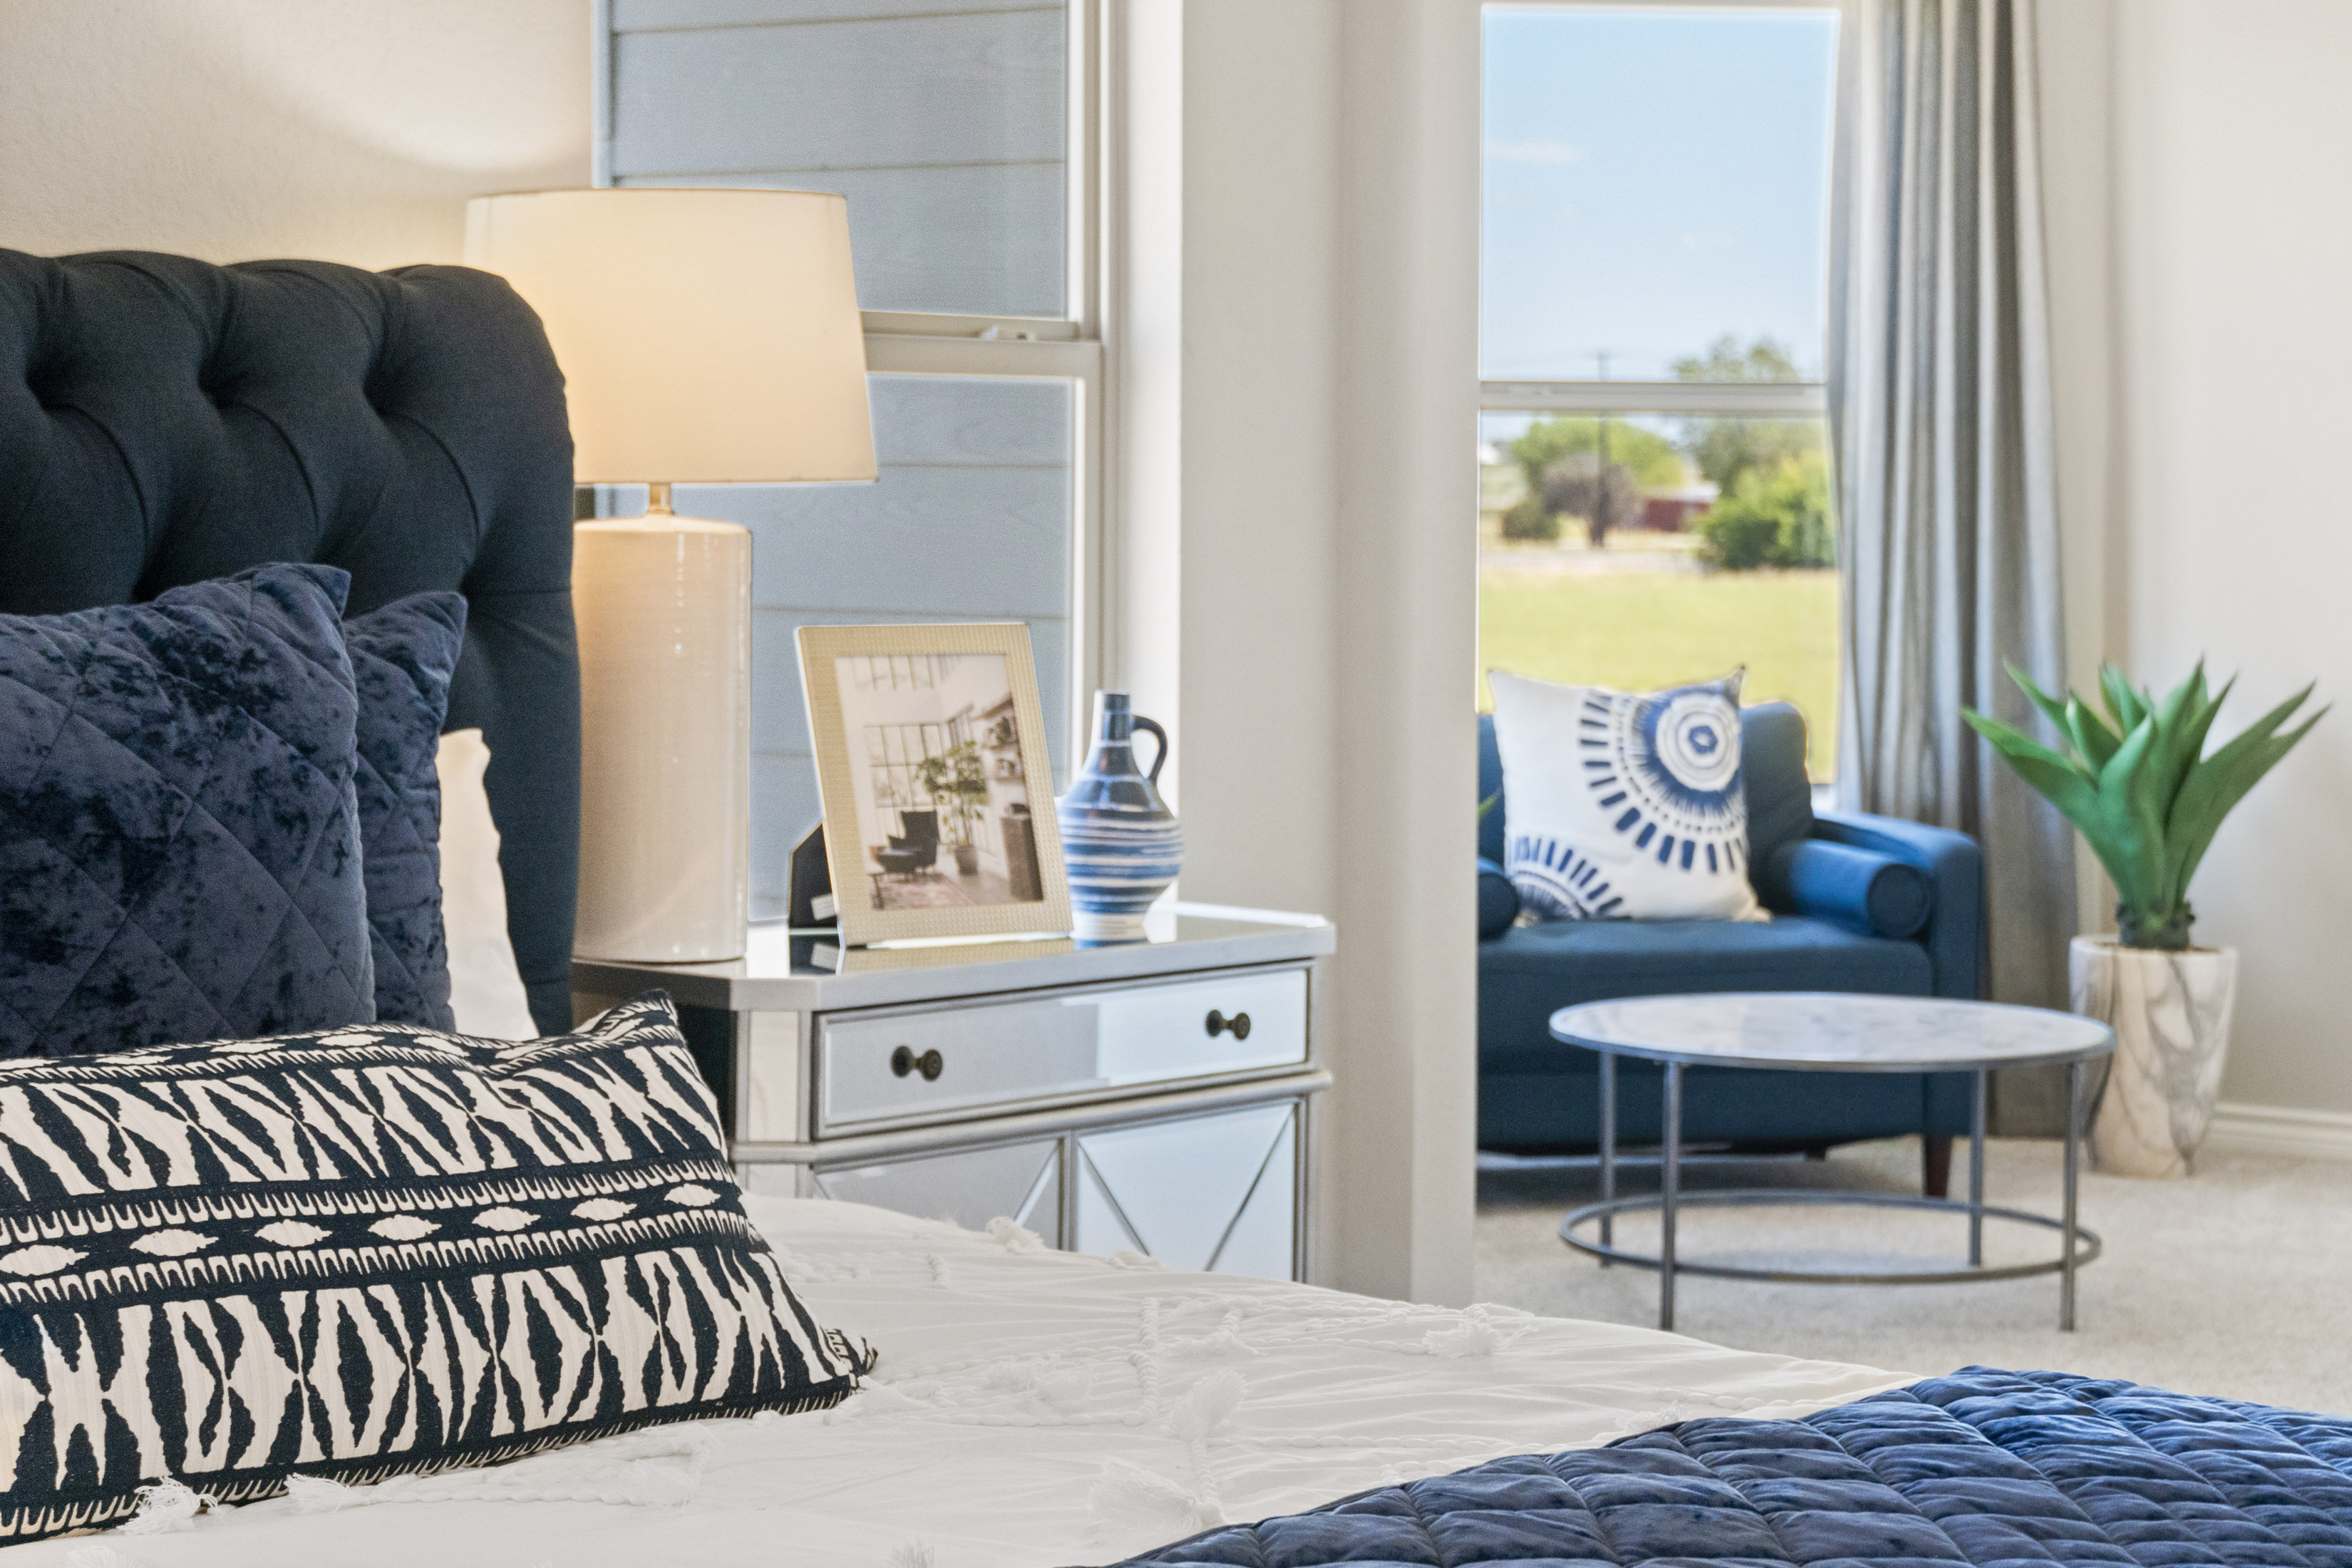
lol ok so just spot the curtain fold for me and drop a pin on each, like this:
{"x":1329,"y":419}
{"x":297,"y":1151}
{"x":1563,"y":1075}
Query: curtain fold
{"x":1942,"y":424}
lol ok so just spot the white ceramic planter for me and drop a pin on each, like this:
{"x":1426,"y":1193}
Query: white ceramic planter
{"x":2170,"y":1012}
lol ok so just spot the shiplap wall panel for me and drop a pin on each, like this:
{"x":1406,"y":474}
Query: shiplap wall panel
{"x":943,"y":124}
{"x":982,"y":239}
{"x":909,"y":90}
{"x":943,"y":542}
{"x":990,"y":421}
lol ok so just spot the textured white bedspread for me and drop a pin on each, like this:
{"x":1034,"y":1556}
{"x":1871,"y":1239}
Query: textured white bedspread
{"x":1033,"y":1408}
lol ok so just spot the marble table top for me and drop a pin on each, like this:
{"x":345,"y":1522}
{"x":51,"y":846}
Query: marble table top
{"x":1828,"y":1032}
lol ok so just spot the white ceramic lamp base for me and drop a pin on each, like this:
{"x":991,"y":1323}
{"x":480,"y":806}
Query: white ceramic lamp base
{"x":664,"y":609}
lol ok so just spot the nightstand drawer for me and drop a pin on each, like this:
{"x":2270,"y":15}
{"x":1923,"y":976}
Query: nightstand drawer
{"x":911,"y":1065}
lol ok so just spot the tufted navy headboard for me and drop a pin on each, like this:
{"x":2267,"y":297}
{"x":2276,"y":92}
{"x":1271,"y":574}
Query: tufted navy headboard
{"x":163,"y":421}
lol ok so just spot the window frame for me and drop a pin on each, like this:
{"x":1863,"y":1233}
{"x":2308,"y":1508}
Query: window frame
{"x":1718,"y":399}
{"x":1069,"y":347}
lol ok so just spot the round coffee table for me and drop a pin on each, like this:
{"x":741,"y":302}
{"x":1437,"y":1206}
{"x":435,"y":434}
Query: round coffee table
{"x":1802,"y":1031}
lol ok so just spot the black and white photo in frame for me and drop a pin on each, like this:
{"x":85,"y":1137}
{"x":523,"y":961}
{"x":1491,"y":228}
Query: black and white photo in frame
{"x":931,"y":762}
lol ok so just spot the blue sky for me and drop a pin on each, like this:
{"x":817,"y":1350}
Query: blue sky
{"x":1653,"y":178}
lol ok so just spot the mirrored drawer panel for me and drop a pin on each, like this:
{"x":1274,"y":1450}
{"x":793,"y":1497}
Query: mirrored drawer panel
{"x":874,"y":1068}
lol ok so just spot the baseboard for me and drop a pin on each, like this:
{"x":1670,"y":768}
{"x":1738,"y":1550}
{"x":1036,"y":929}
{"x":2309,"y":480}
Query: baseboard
{"x":2277,"y":1129}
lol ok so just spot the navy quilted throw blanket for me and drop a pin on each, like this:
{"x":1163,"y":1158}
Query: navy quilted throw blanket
{"x":1999,"y":1470}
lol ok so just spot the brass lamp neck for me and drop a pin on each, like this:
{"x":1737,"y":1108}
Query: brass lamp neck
{"x":658,"y":500}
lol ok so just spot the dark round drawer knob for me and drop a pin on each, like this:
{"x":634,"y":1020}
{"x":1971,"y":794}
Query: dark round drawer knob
{"x":1218,"y":1024}
{"x":931,"y":1064}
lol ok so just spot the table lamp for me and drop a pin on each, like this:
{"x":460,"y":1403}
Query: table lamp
{"x":706,"y":337}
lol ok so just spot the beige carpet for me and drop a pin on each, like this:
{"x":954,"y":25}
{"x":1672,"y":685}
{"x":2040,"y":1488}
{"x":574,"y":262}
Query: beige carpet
{"x":2236,"y":1282}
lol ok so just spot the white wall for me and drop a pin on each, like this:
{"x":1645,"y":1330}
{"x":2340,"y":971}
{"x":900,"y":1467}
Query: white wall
{"x":2202,"y":249}
{"x":1301,"y":213}
{"x":233,"y":129}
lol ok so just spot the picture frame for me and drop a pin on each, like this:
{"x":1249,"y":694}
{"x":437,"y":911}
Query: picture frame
{"x":927,"y":837}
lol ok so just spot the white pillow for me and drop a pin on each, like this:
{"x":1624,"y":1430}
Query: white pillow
{"x":485,"y":990}
{"x":1618,"y":805}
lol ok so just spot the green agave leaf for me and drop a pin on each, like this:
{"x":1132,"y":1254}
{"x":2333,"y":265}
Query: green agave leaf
{"x":2180,"y":738}
{"x":2209,"y":706}
{"x":2217,"y":784}
{"x":2050,"y":707}
{"x":2034,"y":760}
{"x":2123,"y":705}
{"x":2103,"y":821}
{"x":2093,"y":739}
{"x":2145,"y":797}
{"x":2093,"y":743}
{"x":2132,"y":821}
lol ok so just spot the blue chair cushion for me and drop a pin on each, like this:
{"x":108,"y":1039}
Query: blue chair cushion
{"x":179,"y":833}
{"x":1531,"y":971}
{"x":1860,"y":889}
{"x":403,"y":657}
{"x":1535,"y":1093}
{"x":1498,"y":901}
{"x":1779,"y":791}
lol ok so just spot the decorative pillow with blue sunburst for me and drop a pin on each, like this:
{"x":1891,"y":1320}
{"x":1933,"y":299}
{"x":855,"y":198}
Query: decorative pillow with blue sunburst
{"x":1624,"y":805}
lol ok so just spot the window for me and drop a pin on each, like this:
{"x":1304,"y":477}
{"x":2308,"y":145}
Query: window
{"x":1654,"y":495}
{"x":962,"y":136}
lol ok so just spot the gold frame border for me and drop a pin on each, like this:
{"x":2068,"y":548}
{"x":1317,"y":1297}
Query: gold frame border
{"x":860,"y":927}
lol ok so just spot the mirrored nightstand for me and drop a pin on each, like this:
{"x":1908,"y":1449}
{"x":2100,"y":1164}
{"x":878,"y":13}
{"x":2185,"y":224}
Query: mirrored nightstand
{"x":1153,"y":1096}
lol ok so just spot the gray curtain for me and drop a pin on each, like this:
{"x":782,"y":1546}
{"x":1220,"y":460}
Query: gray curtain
{"x":1940,"y":417}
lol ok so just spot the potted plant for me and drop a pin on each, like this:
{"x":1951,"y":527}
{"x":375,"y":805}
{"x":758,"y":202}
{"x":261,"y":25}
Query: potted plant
{"x":2147,"y":799}
{"x":958,"y":782}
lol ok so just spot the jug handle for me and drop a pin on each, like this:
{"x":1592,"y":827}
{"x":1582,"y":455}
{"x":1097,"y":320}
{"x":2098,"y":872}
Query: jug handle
{"x":1157,"y":734}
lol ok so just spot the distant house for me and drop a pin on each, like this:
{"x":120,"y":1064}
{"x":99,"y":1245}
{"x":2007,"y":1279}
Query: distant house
{"x":1672,"y":511}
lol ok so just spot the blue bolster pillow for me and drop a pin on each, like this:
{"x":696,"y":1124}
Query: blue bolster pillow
{"x":1498,"y":901}
{"x":1873,"y":894}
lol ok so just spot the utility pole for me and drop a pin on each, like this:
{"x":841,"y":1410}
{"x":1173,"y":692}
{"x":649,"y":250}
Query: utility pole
{"x":1601,"y":477}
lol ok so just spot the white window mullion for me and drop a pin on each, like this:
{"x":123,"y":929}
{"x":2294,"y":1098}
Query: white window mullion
{"x":1718,"y":399}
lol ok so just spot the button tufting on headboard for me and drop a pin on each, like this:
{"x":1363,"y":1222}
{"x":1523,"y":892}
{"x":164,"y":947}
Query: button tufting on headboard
{"x":164,"y":421}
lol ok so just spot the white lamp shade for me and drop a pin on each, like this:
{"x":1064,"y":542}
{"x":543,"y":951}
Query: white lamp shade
{"x":706,"y":337}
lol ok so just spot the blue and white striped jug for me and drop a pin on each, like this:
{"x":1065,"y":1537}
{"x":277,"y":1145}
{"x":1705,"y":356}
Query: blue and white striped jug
{"x":1120,"y":840}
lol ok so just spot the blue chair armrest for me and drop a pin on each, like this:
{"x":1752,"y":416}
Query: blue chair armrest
{"x":1498,"y":901}
{"x":1954,"y":936}
{"x":1863,"y":890}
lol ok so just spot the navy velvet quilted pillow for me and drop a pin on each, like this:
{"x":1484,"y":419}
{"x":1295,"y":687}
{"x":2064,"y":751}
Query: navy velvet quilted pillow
{"x":373,"y":1251}
{"x":179,"y":829}
{"x":402,"y":658}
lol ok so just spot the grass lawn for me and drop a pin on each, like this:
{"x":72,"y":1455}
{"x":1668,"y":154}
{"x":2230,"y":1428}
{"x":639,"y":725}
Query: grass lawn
{"x":1638,"y":631}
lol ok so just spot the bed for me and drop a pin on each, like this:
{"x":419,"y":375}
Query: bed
{"x":164,"y":422}
{"x":1021,"y":1419}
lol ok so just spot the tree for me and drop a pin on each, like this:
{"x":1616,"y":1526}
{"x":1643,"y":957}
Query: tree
{"x":1776,"y":517}
{"x":1766,"y":359}
{"x":1651,"y":457}
{"x":1603,"y":494}
{"x":1724,"y":450}
{"x":1530,"y":519}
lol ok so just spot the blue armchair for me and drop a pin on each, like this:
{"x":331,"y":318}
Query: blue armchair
{"x":1860,"y":903}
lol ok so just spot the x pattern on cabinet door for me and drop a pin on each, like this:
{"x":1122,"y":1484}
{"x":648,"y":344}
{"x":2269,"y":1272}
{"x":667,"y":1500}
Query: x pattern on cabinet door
{"x":1215,"y":1192}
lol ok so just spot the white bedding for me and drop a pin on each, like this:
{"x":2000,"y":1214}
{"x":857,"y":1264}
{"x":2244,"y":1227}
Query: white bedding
{"x":1020,"y":1415}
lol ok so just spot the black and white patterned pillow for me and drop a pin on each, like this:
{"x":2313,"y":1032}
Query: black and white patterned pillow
{"x":371,"y":1251}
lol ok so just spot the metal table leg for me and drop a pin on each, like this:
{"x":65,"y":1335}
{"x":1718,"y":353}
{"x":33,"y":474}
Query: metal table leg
{"x":1670,"y":1177}
{"x":1982,"y":1091}
{"x":1608,"y":1149}
{"x":2066,"y":1224}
